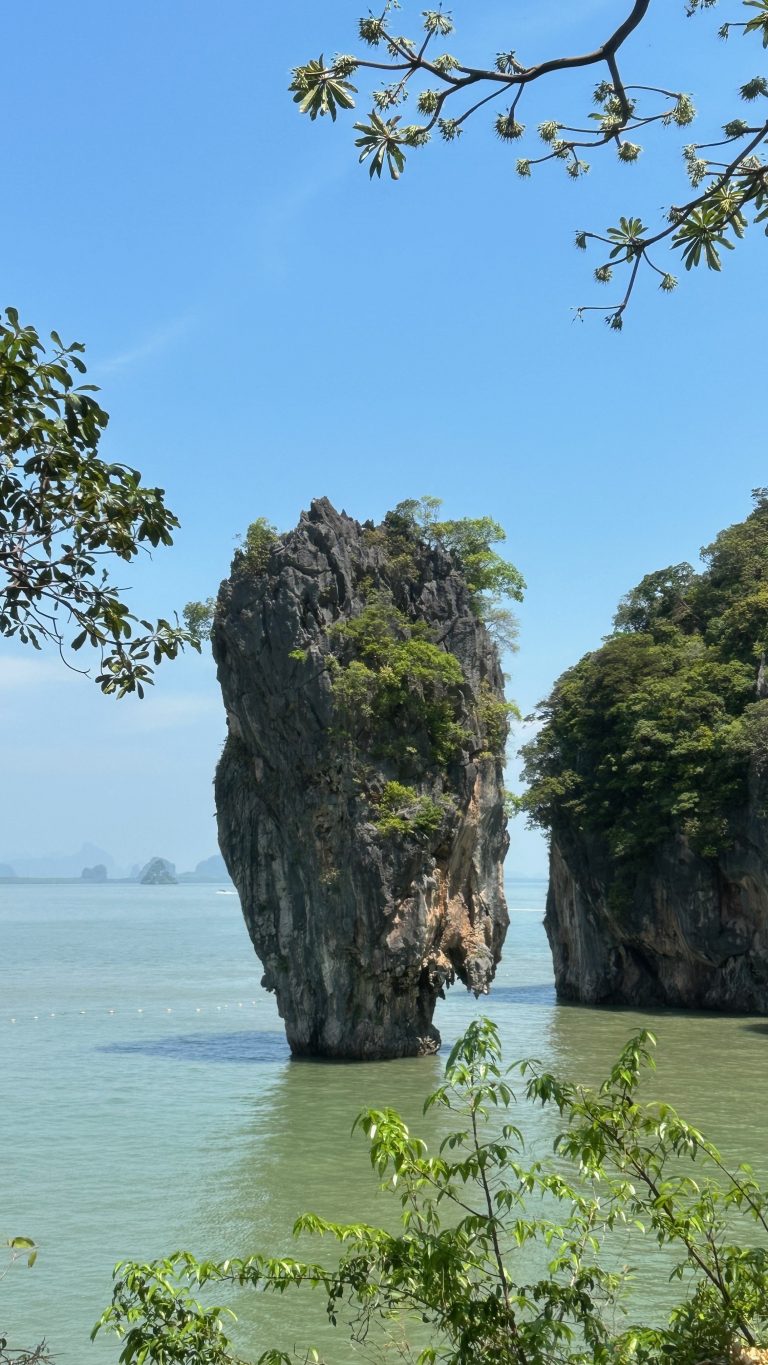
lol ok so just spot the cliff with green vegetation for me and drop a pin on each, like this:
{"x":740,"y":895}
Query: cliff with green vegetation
{"x":650,"y":773}
{"x":360,"y":793}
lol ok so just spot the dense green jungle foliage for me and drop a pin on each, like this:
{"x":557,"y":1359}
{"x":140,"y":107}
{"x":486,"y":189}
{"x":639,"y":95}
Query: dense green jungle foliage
{"x":657,"y":732}
{"x":400,"y":692}
{"x":500,"y":1259}
{"x":395,"y":687}
{"x":469,"y":538}
{"x":402,"y":810}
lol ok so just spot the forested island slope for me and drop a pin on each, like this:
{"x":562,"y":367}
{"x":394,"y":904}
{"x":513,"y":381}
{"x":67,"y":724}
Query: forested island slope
{"x":650,"y":773}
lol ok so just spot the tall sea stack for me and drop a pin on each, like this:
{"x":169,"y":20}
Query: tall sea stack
{"x":359,"y":794}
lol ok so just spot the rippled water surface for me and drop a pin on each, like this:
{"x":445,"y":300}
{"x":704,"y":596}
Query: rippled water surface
{"x":149,"y":1102}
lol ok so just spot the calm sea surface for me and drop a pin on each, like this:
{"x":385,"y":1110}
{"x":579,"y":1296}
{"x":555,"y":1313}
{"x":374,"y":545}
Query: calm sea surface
{"x":149,"y":1102}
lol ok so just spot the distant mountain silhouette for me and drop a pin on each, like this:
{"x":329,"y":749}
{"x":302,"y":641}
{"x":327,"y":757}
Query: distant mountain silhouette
{"x":62,"y":864}
{"x":90,"y":858}
{"x":209,"y":870}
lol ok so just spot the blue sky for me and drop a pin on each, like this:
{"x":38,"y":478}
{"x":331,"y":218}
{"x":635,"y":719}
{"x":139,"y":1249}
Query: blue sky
{"x":268,"y":326}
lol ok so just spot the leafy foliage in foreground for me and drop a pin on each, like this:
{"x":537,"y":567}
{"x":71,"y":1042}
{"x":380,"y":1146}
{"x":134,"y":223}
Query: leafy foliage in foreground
{"x":499,"y":1259}
{"x":34,"y":1355}
{"x":21,"y":1249}
{"x":657,"y":732}
{"x":727,"y":173}
{"x":65,"y":512}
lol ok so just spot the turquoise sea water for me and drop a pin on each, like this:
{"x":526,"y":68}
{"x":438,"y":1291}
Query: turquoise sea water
{"x":149,"y":1101}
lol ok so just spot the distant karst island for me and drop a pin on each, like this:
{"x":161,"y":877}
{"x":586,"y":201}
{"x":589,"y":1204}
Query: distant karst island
{"x":158,"y":872}
{"x":93,"y":865}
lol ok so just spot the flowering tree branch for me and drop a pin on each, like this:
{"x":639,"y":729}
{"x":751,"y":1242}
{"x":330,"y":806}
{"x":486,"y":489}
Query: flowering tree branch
{"x":448,"y":93}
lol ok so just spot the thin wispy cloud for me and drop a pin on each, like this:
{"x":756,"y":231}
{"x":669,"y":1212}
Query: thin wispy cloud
{"x":20,"y":675}
{"x":528,"y":24}
{"x":160,"y":339}
{"x":105,"y":717}
{"x":272,"y":230}
{"x":173,"y":712}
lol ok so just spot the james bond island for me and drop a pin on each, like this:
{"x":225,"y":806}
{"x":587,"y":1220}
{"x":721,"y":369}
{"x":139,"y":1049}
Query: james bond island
{"x":360,"y":793}
{"x":651,"y":775}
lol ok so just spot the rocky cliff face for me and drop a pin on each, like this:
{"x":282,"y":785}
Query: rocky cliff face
{"x":687,"y":931}
{"x":359,"y":926}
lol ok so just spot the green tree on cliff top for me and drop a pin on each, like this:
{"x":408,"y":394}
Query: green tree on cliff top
{"x":657,"y":732}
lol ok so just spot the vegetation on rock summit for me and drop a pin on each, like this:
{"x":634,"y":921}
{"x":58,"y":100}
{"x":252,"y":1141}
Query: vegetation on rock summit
{"x":658,"y":731}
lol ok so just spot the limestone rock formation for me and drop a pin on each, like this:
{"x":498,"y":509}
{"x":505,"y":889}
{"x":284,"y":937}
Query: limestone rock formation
{"x":369,"y":870}
{"x":692,"y":931}
{"x":158,"y":872}
{"x":650,"y":773}
{"x":97,"y":873}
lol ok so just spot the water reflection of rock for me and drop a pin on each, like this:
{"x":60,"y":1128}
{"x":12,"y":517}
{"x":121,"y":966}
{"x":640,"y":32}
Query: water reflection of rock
{"x":295,"y":1152}
{"x":242,"y":1048}
{"x":300,"y":1155}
